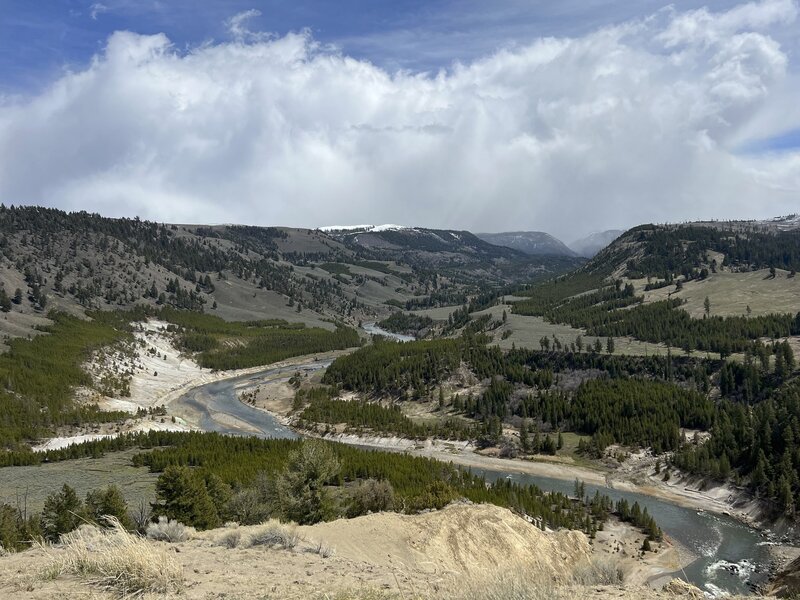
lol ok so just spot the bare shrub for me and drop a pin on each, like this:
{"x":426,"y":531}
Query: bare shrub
{"x":115,"y":559}
{"x":230,"y":539}
{"x":275,"y":535}
{"x":371,"y":496}
{"x":141,"y":515}
{"x":324,"y":549}
{"x":169,"y":531}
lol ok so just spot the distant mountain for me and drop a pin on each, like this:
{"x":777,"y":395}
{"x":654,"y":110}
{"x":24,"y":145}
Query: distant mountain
{"x":457,"y":254}
{"x":78,"y":262}
{"x":594,"y":242}
{"x":534,"y":243}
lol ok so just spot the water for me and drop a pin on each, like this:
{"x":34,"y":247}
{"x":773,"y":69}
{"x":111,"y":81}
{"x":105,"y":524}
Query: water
{"x":216,"y":406}
{"x":731,"y":556}
{"x":373,"y":329}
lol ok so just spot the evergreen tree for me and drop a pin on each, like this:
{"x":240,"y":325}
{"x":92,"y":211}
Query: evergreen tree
{"x":107,"y":502}
{"x":524,"y":440}
{"x":182,"y":496}
{"x":301,"y":492}
{"x":63,"y":511}
{"x":5,"y":301}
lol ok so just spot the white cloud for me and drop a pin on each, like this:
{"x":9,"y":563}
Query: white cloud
{"x":638,"y":122}
{"x":239,"y":31}
{"x":96,"y":9}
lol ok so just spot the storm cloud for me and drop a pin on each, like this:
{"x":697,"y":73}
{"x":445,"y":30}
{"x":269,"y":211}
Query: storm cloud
{"x":650,"y":120}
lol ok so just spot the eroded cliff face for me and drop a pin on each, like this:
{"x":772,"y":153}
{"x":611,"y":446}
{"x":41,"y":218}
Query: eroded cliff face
{"x":465,"y":551}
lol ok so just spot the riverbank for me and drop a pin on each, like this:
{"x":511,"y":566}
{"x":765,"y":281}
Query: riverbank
{"x":159,"y":375}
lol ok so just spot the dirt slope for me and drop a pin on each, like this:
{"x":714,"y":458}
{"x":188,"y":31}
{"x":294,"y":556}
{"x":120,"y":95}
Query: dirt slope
{"x":440,"y":554}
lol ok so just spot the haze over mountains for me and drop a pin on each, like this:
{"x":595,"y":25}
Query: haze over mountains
{"x":531,"y":243}
{"x":536,"y":243}
{"x":594,"y":242}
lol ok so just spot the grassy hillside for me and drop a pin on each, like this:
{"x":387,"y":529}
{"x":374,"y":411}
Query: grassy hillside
{"x":687,"y":286}
{"x":76,"y":262}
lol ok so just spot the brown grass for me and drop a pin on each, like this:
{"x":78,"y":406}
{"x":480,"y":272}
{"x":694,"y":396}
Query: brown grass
{"x":520,"y":581}
{"x":115,"y":560}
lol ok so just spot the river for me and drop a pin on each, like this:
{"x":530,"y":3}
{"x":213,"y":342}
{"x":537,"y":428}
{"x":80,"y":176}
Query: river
{"x":731,"y":556}
{"x":373,"y":329}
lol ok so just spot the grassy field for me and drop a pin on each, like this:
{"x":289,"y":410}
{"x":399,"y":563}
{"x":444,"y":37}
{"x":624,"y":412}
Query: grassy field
{"x":527,"y":331}
{"x":731,"y":293}
{"x":84,"y":474}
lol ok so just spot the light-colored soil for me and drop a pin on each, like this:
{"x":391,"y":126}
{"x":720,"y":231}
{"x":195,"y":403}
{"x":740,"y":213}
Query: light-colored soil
{"x":441,"y":554}
{"x":623,"y":543}
{"x":161,"y":374}
{"x":683,"y":492}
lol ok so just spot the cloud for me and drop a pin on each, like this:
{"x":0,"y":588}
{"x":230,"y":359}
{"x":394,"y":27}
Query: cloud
{"x":239,"y":31}
{"x":96,"y":9}
{"x":633,"y":123}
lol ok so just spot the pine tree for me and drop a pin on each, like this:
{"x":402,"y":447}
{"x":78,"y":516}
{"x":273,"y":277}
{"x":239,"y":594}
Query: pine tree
{"x":182,"y":496}
{"x":301,"y":495}
{"x":108,"y":502}
{"x":5,"y":301}
{"x":63,"y":511}
{"x":524,"y":441}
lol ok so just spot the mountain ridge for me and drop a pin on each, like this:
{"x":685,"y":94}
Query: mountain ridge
{"x":534,"y":243}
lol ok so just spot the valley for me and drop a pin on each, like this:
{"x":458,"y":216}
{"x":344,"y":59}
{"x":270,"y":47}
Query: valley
{"x":399,"y":301}
{"x":519,"y":381}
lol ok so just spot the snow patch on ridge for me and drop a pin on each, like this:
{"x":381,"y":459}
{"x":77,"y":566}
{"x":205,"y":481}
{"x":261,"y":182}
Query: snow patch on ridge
{"x":385,"y":227}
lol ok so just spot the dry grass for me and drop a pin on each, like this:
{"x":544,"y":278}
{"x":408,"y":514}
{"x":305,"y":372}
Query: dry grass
{"x":275,"y":535}
{"x":364,"y":594}
{"x":324,"y":549}
{"x":116,"y":561}
{"x":731,"y":293}
{"x":597,"y":571}
{"x":527,"y":582}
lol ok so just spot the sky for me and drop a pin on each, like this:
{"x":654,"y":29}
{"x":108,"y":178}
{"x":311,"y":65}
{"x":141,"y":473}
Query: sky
{"x":568,"y":117}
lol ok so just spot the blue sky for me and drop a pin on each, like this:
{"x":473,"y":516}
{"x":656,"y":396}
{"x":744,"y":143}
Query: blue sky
{"x":41,"y":38}
{"x":567,"y":116}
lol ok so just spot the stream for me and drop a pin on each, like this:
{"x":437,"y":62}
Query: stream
{"x":373,"y":329}
{"x":731,"y":557}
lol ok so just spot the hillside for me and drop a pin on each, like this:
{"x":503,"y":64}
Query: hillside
{"x":460,"y":552}
{"x":74,"y":262}
{"x":668,"y":279}
{"x":459,"y":255}
{"x":535,"y":243}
